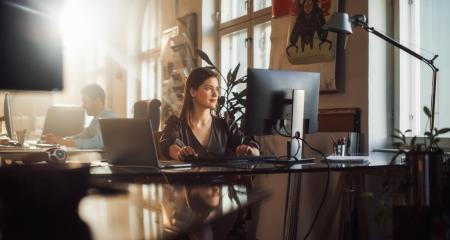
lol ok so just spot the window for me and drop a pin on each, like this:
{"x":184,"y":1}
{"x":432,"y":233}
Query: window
{"x":422,"y":29}
{"x":150,"y":52}
{"x":244,"y":31}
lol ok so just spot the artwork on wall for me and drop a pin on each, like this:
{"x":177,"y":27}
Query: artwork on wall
{"x":312,"y":47}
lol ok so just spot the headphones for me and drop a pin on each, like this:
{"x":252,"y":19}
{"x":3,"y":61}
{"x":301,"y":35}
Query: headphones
{"x":51,"y":156}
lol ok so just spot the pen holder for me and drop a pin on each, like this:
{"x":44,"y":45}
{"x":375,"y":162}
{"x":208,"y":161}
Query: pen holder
{"x":340,"y":149}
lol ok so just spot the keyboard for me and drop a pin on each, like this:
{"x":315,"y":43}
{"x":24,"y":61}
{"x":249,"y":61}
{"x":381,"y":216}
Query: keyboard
{"x":212,"y":159}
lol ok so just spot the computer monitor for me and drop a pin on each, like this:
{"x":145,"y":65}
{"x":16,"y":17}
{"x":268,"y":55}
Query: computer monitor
{"x":269,"y":99}
{"x":7,"y":117}
{"x":30,"y":45}
{"x":270,"y":102}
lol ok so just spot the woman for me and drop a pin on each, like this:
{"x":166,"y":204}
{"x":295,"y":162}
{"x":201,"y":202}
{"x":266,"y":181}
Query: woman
{"x":197,"y":132}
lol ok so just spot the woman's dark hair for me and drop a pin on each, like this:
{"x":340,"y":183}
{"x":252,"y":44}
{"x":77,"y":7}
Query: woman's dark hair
{"x":195,"y":79}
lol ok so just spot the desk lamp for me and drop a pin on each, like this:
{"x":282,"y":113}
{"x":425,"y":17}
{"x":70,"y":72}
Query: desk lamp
{"x":341,"y":23}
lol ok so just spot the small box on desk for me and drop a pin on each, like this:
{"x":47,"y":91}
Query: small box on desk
{"x":340,"y":120}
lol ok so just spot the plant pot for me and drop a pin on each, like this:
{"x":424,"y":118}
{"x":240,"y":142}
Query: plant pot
{"x":426,"y":177}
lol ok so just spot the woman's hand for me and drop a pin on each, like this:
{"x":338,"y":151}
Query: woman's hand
{"x":246,"y":150}
{"x":186,"y":154}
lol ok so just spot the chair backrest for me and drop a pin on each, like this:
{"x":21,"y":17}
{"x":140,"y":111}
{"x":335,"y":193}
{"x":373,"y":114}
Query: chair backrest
{"x":149,"y":109}
{"x":64,"y":121}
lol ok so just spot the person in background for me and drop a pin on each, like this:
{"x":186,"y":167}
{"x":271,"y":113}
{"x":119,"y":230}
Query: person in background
{"x":93,"y":99}
{"x":199,"y":133}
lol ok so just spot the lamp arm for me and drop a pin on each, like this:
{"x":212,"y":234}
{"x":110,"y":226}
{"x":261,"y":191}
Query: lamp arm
{"x":430,"y":62}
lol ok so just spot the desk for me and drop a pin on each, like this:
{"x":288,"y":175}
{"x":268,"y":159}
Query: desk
{"x":16,"y":153}
{"x":377,"y":162}
{"x":163,"y":211}
{"x":43,"y":202}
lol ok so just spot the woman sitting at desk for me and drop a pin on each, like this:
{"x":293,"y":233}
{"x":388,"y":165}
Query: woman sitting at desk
{"x":197,"y":132}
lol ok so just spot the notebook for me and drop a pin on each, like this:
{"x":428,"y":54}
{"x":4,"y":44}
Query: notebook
{"x":130,"y":142}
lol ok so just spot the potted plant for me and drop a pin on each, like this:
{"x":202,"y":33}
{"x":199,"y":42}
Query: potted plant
{"x":231,"y":103}
{"x":425,"y":161}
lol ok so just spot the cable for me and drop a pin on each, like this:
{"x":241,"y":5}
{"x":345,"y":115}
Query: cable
{"x":326,"y":186}
{"x":288,"y":136}
{"x":297,"y":136}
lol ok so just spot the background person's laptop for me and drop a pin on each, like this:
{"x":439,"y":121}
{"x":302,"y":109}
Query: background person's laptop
{"x":129,"y":142}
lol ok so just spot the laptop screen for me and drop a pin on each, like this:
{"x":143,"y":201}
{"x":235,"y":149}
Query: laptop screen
{"x":129,"y":142}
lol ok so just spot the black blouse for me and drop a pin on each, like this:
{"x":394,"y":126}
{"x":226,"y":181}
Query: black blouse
{"x":225,"y":137}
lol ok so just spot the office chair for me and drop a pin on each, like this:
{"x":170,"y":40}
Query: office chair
{"x":149,"y":109}
{"x":64,"y":121}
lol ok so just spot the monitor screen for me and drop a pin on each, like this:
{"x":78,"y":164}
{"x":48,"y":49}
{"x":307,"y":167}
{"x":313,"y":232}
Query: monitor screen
{"x":7,"y":117}
{"x":30,"y":46}
{"x":269,"y":100}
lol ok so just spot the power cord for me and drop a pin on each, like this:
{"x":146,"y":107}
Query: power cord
{"x":288,"y":136}
{"x":324,"y":197}
{"x":327,"y":184}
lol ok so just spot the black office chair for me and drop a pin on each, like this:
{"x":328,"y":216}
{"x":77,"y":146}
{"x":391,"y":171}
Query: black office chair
{"x":149,"y":109}
{"x":64,"y":121}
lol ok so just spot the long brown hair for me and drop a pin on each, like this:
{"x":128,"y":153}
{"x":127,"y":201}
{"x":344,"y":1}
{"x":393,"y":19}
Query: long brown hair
{"x":195,"y":79}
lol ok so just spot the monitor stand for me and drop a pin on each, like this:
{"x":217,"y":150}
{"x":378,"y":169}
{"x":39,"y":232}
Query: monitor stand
{"x":295,"y":148}
{"x":294,"y":179}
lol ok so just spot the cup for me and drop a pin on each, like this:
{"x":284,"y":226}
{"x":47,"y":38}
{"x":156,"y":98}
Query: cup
{"x":340,"y":150}
{"x":21,"y":135}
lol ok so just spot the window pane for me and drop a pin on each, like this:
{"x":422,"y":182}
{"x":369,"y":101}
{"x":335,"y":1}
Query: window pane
{"x":234,"y":51}
{"x":150,"y":86}
{"x":151,"y":28}
{"x":261,"y":4}
{"x":434,"y":40}
{"x":231,"y":9}
{"x":261,"y":45}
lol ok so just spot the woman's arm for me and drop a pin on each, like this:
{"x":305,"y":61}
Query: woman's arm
{"x":239,"y":143}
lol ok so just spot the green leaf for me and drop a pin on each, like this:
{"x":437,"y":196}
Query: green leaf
{"x":235,"y":72}
{"x":442,"y":131}
{"x":205,"y":57}
{"x":398,"y":131}
{"x":229,"y":79}
{"x":427,"y":111}
{"x":413,"y":141}
{"x":408,"y":130}
{"x":211,"y":67}
{"x":428,"y":134}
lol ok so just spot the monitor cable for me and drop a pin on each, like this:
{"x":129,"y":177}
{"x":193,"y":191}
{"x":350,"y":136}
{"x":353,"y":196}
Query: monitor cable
{"x":327,"y":183}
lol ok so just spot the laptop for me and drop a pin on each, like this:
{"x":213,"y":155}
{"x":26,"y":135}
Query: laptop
{"x":130,"y":142}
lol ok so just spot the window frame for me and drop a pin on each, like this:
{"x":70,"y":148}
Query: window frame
{"x":247,"y":22}
{"x":408,"y":104}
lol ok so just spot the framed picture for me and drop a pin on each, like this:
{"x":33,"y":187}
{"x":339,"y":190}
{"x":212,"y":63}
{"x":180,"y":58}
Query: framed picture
{"x":315,"y":49}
